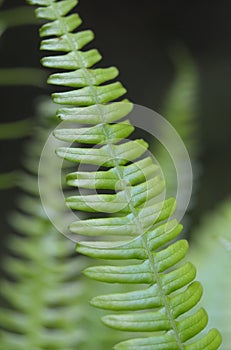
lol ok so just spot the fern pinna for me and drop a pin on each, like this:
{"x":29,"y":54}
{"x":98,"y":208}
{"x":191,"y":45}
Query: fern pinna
{"x":130,"y":227}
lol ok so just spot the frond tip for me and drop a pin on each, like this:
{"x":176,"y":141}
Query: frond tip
{"x":140,"y":228}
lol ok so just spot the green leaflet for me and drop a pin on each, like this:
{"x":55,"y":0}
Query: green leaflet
{"x":110,"y":179}
{"x":141,"y":272}
{"x":95,"y":134}
{"x":122,"y":154}
{"x":139,"y":223}
{"x":124,"y":225}
{"x":137,"y":300}
{"x":79,"y":77}
{"x":167,"y":342}
{"x":96,"y":114}
{"x":139,"y":195}
{"x":134,"y":249}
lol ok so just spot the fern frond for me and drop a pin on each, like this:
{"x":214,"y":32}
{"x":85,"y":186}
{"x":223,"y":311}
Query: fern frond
{"x":38,"y":308}
{"x":180,"y":109}
{"x":181,"y":104}
{"x":44,"y":302}
{"x":136,"y":230}
{"x":213,"y":237}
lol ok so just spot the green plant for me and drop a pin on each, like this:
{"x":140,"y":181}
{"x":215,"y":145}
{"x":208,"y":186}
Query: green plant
{"x":138,"y":225}
{"x":44,"y":300}
{"x":180,"y":109}
{"x":33,"y":314}
{"x":36,"y":292}
{"x":213,"y":237}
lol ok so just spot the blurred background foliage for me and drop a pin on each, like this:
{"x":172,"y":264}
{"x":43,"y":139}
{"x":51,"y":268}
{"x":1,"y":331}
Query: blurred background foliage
{"x":140,"y":39}
{"x":21,"y":81}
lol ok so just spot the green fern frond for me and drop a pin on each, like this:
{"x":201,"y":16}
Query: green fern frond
{"x":181,"y":104}
{"x":180,"y":109}
{"x":40,"y":288}
{"x":44,"y":302}
{"x":213,"y":236}
{"x":136,"y":235}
